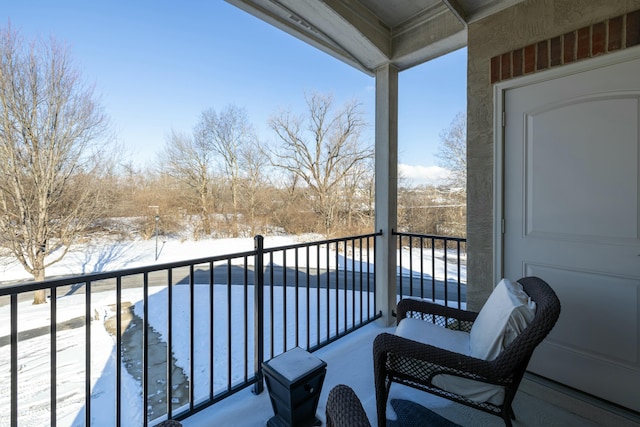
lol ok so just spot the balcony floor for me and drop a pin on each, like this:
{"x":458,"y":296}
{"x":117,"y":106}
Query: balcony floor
{"x":349,"y":361}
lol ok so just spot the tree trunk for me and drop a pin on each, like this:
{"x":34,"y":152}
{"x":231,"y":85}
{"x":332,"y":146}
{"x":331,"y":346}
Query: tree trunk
{"x":204,"y":206}
{"x":39,"y":297}
{"x":234,"y":199}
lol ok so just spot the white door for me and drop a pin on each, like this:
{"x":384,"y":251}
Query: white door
{"x":571,"y":200}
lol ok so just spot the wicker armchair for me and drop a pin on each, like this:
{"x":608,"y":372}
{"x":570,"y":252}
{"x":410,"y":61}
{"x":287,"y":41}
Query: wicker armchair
{"x":404,"y":361}
{"x":344,"y":408}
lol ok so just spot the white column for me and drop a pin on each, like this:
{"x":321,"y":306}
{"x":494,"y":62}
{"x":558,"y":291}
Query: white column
{"x":386,"y":164}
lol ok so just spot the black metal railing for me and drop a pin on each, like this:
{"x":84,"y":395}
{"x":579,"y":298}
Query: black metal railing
{"x":444,"y":279}
{"x":136,"y":346}
{"x":165,"y":341}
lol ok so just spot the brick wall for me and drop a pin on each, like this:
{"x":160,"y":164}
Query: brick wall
{"x":613,"y":34}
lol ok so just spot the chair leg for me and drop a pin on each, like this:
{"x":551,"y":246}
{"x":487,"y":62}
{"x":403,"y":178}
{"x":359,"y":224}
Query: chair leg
{"x":507,"y":416}
{"x":513,"y":414}
{"x":381,"y":379}
{"x":382,"y":394}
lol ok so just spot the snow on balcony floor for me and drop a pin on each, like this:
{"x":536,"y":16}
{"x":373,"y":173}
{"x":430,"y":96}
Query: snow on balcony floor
{"x":349,"y":361}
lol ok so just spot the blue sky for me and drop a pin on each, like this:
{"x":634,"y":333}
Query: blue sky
{"x":158,"y":64}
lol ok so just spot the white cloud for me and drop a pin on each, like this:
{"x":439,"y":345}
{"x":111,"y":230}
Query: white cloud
{"x":423,"y":175}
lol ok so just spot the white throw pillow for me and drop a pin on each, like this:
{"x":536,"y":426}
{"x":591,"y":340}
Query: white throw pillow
{"x":505,"y":314}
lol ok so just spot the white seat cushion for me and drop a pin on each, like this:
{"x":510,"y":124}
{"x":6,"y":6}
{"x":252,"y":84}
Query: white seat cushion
{"x":428,"y":333}
{"x":505,"y":314}
{"x":471,"y":389}
{"x":455,"y":341}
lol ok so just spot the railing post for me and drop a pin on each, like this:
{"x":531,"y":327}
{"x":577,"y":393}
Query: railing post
{"x":14,"y":360}
{"x":258,"y":313}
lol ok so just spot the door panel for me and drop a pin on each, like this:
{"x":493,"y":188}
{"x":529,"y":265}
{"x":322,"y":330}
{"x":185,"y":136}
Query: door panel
{"x":571,"y":211}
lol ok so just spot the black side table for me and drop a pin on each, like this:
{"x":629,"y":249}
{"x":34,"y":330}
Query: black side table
{"x":294,"y":380}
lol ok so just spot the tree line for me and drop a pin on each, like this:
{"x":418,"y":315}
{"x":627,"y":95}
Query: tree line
{"x":61,"y":180}
{"x":315,"y":172}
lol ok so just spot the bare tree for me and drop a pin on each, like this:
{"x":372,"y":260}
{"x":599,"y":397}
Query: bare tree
{"x":453,"y":151}
{"x":291,"y":207}
{"x":358,"y":197}
{"x":50,"y":124}
{"x":251,"y":192}
{"x":188,"y":160}
{"x":227,"y":133}
{"x":321,"y":149}
{"x":451,"y":202}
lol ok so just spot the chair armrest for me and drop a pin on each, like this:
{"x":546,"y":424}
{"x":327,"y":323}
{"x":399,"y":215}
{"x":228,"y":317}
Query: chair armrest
{"x":388,"y":344}
{"x":427,"y":310}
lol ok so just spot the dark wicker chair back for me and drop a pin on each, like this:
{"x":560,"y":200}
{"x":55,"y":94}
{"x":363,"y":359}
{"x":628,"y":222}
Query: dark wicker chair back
{"x":408,"y":362}
{"x":344,"y":408}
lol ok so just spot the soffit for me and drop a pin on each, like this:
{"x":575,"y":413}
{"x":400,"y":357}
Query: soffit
{"x":369,"y":34}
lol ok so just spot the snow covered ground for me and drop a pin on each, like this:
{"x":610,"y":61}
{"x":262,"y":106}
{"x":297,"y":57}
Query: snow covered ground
{"x":34,"y":369}
{"x":34,"y":353}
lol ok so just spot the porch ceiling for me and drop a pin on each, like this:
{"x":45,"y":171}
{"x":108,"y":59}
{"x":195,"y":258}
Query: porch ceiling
{"x":368,"y":34}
